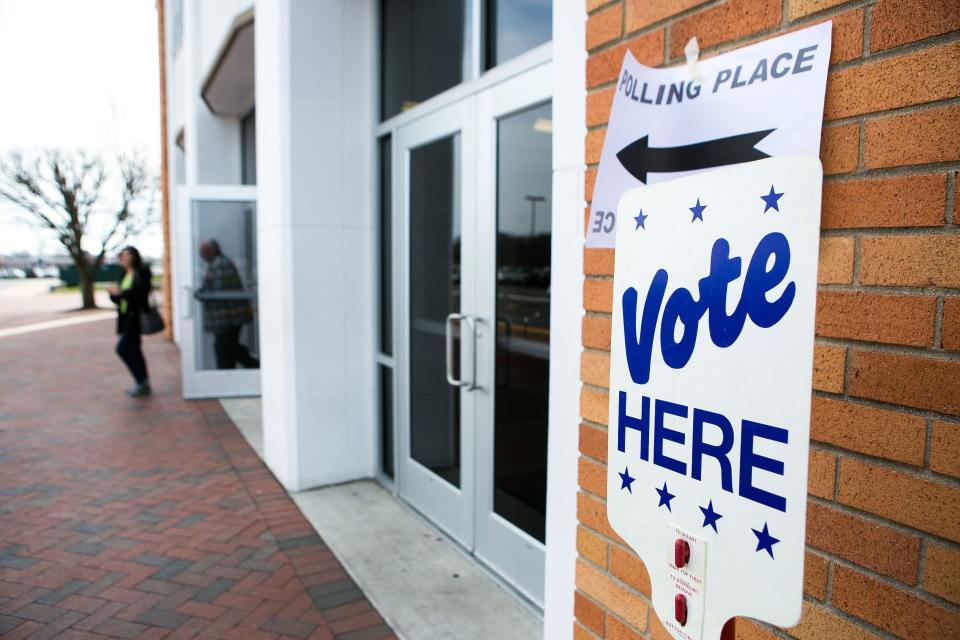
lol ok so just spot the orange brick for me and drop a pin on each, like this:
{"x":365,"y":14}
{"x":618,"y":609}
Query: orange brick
{"x":643,"y":13}
{"x":592,"y":547}
{"x":723,"y":23}
{"x":596,"y":332}
{"x":836,"y":261}
{"x":876,"y":432}
{"x":847,"y":40}
{"x":750,"y":630}
{"x":901,"y":497}
{"x":605,"y":66}
{"x":829,"y":364}
{"x":598,"y":262}
{"x":945,"y":448}
{"x":822,"y":474}
{"x":914,"y":138}
{"x":598,"y":107}
{"x":903,"y":201}
{"x":589,"y":182}
{"x":889,"y":83}
{"x":950,"y":324}
{"x":580,"y":632}
{"x":593,"y":477}
{"x":942,"y":572}
{"x":618,"y":630}
{"x":604,"y":26}
{"x":840,"y":148}
{"x":593,"y":405}
{"x":870,"y":545}
{"x":799,"y":8}
{"x":589,"y":613}
{"x":890,"y":608}
{"x":898,"y":22}
{"x":815,"y":575}
{"x":910,"y":260}
{"x":595,"y":368}
{"x":818,"y":623}
{"x":871,"y":317}
{"x":593,"y":5}
{"x":923,"y":383}
{"x":592,"y":512}
{"x":629,"y":568}
{"x":620,"y":601}
{"x":593,"y":442}
{"x":598,"y":295}
{"x":593,"y":146}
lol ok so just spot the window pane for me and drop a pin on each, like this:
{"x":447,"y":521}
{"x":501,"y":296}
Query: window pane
{"x":386,"y":420}
{"x":421,"y":51}
{"x":515,"y":26}
{"x":225,"y":284}
{"x":523,"y":318}
{"x":248,"y":149}
{"x":386,"y":251}
{"x":434,"y":293}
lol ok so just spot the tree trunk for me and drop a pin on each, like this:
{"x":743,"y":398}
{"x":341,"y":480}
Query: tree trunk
{"x":86,"y":284}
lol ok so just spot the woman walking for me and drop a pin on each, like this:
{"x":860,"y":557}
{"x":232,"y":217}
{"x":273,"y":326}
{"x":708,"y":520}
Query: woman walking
{"x":132,"y":296}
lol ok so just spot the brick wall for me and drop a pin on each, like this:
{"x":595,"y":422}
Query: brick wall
{"x":883,"y":558}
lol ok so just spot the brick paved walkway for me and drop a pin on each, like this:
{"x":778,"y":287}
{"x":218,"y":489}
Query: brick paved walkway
{"x":147,"y":518}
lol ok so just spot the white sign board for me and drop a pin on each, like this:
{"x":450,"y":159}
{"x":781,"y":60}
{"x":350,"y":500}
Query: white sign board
{"x":751,"y":103}
{"x":710,"y":377}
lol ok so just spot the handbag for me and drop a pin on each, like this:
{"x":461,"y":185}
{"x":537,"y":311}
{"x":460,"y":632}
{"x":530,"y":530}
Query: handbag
{"x":150,"y":319}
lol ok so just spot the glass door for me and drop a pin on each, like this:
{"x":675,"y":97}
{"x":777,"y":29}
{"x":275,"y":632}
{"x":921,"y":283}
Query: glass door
{"x":438,"y":325}
{"x":472,"y":183}
{"x":218,"y":292}
{"x":514,"y":197}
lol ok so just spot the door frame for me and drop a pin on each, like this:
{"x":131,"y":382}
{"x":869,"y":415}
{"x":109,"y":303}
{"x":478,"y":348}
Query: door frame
{"x":205,"y":383}
{"x":447,"y":506}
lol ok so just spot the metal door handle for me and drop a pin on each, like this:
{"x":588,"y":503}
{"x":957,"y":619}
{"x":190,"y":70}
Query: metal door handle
{"x":470,"y":384}
{"x":186,"y":302}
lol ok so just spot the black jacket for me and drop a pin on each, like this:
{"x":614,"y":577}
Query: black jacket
{"x":138,"y":300}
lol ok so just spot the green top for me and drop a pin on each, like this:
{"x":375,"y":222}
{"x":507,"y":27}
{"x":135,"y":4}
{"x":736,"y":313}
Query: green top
{"x":125,"y":285}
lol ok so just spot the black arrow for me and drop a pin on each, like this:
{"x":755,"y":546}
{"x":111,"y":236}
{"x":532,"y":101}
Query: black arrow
{"x":639,"y":158}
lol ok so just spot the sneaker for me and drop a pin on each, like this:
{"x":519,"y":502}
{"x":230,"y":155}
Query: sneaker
{"x":142,"y":389}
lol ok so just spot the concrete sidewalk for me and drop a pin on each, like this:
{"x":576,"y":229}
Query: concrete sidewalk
{"x":147,"y":518}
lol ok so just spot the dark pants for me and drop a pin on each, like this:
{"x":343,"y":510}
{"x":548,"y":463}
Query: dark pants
{"x":128,"y":348}
{"x":229,"y":351}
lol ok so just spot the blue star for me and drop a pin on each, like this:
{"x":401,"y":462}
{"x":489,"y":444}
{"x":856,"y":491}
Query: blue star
{"x":698,"y":211}
{"x":626,"y":480}
{"x":665,"y":497}
{"x":765,"y":541}
{"x":640,"y":218}
{"x":710,"y":516}
{"x":771,"y":199}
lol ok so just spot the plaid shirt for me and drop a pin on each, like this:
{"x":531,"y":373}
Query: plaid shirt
{"x":225,"y":304}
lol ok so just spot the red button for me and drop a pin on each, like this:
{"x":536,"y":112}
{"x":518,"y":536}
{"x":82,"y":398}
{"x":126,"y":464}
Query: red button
{"x":680,"y":609}
{"x":681,"y":553}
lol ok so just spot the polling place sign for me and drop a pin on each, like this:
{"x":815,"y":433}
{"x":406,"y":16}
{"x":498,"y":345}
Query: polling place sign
{"x":710,"y":376}
{"x":748,"y":104}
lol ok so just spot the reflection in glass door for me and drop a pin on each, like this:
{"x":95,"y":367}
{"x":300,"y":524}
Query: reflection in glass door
{"x":217,"y":300}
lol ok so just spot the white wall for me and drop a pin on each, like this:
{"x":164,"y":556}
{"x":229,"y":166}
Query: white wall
{"x":315,"y":110}
{"x":566,"y":306}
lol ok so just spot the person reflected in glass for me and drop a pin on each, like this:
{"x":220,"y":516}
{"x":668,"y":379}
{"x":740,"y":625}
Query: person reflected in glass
{"x":132,"y":296}
{"x":226,"y":308}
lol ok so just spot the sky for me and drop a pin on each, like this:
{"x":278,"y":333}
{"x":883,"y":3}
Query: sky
{"x":78,"y":74}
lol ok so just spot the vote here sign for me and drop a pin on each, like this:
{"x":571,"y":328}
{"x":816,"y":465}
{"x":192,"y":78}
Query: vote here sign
{"x":751,"y":103}
{"x":710,"y":376}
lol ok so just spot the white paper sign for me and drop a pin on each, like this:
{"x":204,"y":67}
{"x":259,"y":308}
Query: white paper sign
{"x":710,"y":377}
{"x":758,"y":101}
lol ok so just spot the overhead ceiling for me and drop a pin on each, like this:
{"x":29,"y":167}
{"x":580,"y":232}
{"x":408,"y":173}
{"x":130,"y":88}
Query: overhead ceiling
{"x":229,"y":88}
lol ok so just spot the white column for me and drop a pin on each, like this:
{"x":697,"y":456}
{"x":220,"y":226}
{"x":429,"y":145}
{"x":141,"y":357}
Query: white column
{"x":566,"y":313}
{"x":315,"y":111}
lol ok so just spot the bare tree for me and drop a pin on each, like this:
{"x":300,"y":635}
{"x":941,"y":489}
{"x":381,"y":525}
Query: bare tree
{"x":64,"y":192}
